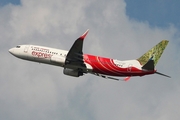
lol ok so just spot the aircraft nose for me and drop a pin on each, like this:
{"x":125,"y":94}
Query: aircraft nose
{"x":11,"y":51}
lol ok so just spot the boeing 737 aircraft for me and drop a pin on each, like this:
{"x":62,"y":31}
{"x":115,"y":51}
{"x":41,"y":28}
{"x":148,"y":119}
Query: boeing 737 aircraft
{"x":76,"y":64}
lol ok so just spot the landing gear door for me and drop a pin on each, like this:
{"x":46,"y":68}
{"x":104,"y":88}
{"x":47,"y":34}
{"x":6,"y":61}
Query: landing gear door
{"x":26,"y":48}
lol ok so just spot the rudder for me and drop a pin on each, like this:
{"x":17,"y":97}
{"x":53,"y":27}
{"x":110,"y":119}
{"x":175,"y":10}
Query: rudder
{"x":154,"y":53}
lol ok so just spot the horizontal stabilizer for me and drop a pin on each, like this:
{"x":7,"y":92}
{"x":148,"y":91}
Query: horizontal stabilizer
{"x":162,"y":74}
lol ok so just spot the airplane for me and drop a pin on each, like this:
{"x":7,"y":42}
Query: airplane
{"x":76,"y":64}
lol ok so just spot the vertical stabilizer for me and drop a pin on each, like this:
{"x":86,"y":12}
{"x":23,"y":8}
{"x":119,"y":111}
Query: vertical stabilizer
{"x":154,"y":53}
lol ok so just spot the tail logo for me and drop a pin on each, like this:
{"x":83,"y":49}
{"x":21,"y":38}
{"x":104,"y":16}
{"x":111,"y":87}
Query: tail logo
{"x":154,"y":53}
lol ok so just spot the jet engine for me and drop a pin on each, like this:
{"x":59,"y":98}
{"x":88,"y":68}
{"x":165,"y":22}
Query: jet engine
{"x":72,"y":72}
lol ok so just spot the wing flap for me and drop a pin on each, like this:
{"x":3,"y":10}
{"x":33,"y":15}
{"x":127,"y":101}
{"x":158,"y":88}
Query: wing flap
{"x":112,"y":78}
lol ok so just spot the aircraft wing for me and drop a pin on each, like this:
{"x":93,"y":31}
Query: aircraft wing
{"x":74,"y":58}
{"x":112,"y":78}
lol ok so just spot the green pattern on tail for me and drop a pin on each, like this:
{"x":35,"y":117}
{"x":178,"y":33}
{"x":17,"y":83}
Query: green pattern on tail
{"x":154,"y":53}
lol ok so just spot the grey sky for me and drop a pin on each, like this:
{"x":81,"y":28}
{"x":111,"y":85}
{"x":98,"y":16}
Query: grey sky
{"x":36,"y":91}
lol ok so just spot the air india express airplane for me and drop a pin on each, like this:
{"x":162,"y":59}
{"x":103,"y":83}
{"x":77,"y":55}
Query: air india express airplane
{"x":76,"y":64}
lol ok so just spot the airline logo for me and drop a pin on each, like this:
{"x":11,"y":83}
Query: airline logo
{"x":41,"y":52}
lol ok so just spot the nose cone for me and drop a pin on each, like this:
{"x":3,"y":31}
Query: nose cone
{"x":17,"y":52}
{"x":11,"y":51}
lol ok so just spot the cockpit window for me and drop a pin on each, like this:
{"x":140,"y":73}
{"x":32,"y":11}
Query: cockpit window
{"x":18,"y":46}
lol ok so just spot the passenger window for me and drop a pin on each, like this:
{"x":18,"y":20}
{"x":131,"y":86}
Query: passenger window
{"x":18,"y":46}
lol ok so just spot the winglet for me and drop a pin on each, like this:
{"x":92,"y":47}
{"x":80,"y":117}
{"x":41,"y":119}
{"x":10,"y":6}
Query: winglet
{"x":84,"y":35}
{"x":127,"y":78}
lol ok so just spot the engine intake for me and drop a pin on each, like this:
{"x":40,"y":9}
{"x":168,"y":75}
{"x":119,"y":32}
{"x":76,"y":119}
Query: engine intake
{"x":72,"y":72}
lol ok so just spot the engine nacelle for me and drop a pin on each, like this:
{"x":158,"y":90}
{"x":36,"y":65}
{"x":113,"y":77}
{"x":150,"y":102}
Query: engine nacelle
{"x":58,"y":59}
{"x":71,"y":72}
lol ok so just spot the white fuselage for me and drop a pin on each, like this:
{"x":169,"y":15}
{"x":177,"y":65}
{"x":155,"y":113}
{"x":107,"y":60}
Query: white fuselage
{"x":94,"y":64}
{"x":40,"y":54}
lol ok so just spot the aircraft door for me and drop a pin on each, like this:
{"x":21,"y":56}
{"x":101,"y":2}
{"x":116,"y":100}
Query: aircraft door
{"x":26,"y":48}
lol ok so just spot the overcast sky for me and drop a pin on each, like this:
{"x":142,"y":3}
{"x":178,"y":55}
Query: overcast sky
{"x":121,"y":29}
